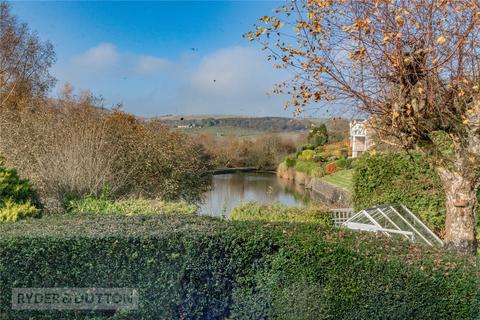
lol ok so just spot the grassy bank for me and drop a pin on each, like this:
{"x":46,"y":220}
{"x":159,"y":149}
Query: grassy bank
{"x":130,"y":206}
{"x":188,"y":267}
{"x":342,"y":179}
{"x":281,"y":213}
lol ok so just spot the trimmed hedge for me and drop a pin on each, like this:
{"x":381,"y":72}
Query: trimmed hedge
{"x":400,"y":177}
{"x":202,"y":268}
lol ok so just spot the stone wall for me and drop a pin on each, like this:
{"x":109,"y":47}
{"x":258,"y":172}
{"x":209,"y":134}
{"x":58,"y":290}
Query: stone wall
{"x":332,"y":194}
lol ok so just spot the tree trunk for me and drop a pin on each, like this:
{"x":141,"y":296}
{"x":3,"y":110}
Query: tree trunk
{"x":461,"y":205}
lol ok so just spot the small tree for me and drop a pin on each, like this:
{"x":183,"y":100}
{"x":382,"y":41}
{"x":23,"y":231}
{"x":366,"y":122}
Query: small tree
{"x":412,"y":65}
{"x":318,"y":136}
{"x":24,"y":61}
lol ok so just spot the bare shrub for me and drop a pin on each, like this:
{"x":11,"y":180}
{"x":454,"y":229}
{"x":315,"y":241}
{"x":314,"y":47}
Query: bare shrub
{"x":72,"y":148}
{"x":264,"y":151}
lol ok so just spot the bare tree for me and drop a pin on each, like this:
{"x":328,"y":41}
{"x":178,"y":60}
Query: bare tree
{"x":24,"y":61}
{"x":412,"y":65}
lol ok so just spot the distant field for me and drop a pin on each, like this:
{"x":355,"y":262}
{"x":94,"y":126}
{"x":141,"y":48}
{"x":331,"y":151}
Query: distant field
{"x":199,"y":117}
{"x":251,"y":125}
{"x":229,"y":131}
{"x":224,"y":131}
{"x":342,"y":179}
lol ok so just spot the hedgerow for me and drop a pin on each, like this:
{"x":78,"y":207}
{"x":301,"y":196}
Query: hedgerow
{"x":188,"y":267}
{"x":400,"y":177}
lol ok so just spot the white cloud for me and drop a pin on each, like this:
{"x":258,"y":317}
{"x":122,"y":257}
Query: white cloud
{"x":102,"y":55}
{"x":150,"y":64}
{"x":233,"y":80}
{"x":106,"y":60}
{"x":226,"y":72}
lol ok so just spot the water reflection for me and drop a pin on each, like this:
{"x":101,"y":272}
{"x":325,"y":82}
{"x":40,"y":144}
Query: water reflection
{"x":234,"y":189}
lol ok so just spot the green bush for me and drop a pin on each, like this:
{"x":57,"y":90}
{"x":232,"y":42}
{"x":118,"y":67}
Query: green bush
{"x":278,"y":212}
{"x":400,"y":177}
{"x":318,"y":136}
{"x":350,"y":163}
{"x":306,"y":155}
{"x":334,"y":278}
{"x":14,"y":188}
{"x":12,"y":211}
{"x":341,"y":164}
{"x":290,"y":163}
{"x":130,"y":206}
{"x":17,"y":196}
{"x":188,"y":267}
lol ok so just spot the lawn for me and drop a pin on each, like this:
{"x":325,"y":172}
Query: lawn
{"x":342,"y":179}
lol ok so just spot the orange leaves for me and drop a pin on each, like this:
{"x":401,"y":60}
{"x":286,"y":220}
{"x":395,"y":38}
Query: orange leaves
{"x":300,"y":25}
{"x":358,"y":54}
{"x":362,"y":24}
{"x":441,"y":40}
{"x":400,"y":21}
{"x":277,"y":24}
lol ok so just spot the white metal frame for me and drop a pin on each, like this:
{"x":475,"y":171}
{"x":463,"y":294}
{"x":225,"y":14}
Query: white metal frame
{"x":374,"y":226}
{"x":341,"y":215}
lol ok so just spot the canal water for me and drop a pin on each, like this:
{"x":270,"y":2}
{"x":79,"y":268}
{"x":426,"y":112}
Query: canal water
{"x":234,"y":189}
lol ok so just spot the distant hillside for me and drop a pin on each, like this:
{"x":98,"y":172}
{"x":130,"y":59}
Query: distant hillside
{"x":338,"y":128}
{"x":272,"y":124}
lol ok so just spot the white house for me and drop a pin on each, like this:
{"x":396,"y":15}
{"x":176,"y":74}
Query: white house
{"x":358,"y":137}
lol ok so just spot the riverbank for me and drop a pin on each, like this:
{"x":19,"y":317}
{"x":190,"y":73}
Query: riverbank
{"x":240,"y":169}
{"x":331,"y":193}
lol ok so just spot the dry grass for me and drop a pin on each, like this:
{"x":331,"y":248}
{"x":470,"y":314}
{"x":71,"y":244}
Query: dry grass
{"x":333,"y":149}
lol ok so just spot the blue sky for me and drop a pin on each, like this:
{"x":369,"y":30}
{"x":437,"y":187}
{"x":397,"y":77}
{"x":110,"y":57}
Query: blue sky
{"x":161,"y":57}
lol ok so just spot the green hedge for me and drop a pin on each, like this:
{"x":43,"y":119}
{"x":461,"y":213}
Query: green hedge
{"x":201,"y":268}
{"x":400,"y":177}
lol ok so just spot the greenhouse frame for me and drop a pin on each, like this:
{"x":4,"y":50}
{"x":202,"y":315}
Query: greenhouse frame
{"x":394,"y":220}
